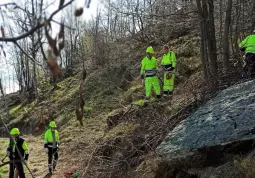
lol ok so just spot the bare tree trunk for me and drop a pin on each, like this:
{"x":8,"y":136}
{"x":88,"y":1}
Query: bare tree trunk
{"x":203,"y":50}
{"x":221,"y":24}
{"x":252,"y":15}
{"x":226,"y":36}
{"x":206,"y":13}
{"x":237,"y":27}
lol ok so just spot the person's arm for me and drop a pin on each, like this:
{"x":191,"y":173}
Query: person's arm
{"x":46,"y":142}
{"x":9,"y":145}
{"x":173,"y":60}
{"x":57,"y":137}
{"x":25,"y":148}
{"x":157,"y":68}
{"x":243,"y":44}
{"x":142,"y":72}
{"x":46,"y":139}
{"x":9,"y":149}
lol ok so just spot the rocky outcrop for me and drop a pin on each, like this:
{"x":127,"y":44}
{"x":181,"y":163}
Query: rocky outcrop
{"x":224,"y":124}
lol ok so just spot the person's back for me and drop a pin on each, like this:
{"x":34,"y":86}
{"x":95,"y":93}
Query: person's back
{"x":51,"y":138}
{"x":248,"y":44}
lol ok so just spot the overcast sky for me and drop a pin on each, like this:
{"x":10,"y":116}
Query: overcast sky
{"x":7,"y":69}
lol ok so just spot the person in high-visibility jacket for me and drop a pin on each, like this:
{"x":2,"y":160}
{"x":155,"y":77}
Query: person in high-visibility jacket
{"x":248,"y":45}
{"x":16,"y":145}
{"x":169,"y":63}
{"x":51,"y":143}
{"x":148,"y":73}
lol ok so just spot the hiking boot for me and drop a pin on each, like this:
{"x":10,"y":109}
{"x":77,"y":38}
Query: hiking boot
{"x":147,"y":100}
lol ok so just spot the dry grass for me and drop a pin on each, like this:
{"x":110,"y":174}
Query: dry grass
{"x":137,"y":133}
{"x":3,"y":146}
{"x":247,"y":165}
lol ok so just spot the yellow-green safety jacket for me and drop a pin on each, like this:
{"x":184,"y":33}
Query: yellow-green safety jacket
{"x":21,"y":144}
{"x":149,"y":67}
{"x":169,"y":61}
{"x":49,"y":139}
{"x":249,"y":44}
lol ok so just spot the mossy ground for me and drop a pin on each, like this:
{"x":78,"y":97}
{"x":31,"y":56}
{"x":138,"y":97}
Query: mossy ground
{"x":104,"y":94}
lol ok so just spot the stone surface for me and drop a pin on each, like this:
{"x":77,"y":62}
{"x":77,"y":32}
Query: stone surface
{"x":227,"y":118}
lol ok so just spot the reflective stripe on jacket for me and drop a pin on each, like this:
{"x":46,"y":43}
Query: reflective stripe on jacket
{"x":149,"y":67}
{"x":169,"y":61}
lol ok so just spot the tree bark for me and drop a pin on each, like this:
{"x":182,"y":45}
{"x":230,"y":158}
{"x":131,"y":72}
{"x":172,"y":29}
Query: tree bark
{"x":226,"y":36}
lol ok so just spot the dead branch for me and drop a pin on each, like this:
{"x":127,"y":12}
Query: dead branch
{"x":38,"y":26}
{"x":32,"y":59}
{"x":8,"y":4}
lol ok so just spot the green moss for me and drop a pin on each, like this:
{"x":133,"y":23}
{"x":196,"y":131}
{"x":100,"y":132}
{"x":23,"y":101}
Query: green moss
{"x":58,"y":94}
{"x":66,"y":82}
{"x":122,"y":128}
{"x":15,"y":109}
{"x":134,"y":93}
{"x":135,"y":88}
{"x":88,"y":108}
{"x":139,"y":102}
{"x":154,"y":99}
{"x":19,"y":111}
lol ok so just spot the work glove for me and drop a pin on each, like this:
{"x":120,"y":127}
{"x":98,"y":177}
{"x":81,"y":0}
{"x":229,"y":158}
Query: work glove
{"x":46,"y":150}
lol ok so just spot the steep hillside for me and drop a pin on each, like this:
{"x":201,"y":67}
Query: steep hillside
{"x":119,"y":131}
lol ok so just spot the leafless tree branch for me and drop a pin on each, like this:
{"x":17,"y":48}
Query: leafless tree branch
{"x":38,"y":26}
{"x":8,"y":4}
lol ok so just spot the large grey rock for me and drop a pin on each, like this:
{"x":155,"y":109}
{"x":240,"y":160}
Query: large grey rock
{"x":227,"y":118}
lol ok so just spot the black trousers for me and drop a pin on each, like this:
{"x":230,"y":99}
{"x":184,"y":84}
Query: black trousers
{"x":53,"y":153}
{"x":19,"y":166}
{"x":250,"y":63}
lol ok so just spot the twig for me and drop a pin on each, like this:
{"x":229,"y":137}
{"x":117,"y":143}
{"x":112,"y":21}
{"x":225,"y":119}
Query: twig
{"x":38,"y":26}
{"x":8,"y":4}
{"x":89,"y":162}
{"x":38,"y":63}
{"x":64,"y":24}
